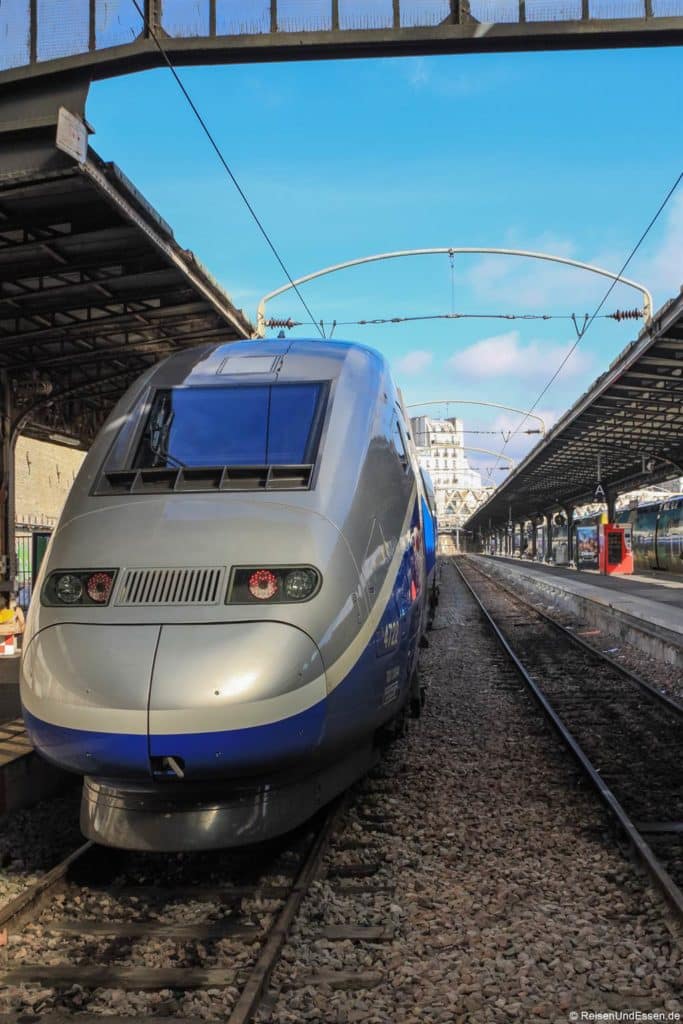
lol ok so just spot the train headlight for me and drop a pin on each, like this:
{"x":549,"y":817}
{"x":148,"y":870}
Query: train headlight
{"x":69,"y":589}
{"x":283,"y":584}
{"x":78,"y":587}
{"x":300,"y":584}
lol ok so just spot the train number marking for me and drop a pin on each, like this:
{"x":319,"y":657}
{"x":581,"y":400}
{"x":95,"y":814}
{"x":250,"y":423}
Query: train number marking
{"x":390,"y":692}
{"x":390,"y":634}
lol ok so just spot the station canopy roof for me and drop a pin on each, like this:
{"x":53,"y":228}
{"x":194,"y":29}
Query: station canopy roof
{"x":94,"y":288}
{"x":631,"y":417}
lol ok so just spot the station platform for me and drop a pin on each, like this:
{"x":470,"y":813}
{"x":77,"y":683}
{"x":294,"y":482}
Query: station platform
{"x":25,"y":778}
{"x":644,"y":610}
{"x":10,"y":705}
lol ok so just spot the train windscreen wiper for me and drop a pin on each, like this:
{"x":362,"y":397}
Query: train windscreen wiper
{"x":165,"y":454}
{"x":158,"y":429}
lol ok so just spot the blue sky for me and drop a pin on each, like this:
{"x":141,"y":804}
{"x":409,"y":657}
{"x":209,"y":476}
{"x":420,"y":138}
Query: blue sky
{"x":568,"y":153}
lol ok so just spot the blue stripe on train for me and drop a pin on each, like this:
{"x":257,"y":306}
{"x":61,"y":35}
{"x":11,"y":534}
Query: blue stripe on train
{"x":85,"y":752}
{"x":429,"y":534}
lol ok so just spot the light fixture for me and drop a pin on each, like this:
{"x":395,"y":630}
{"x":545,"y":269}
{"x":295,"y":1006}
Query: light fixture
{"x":65,"y":439}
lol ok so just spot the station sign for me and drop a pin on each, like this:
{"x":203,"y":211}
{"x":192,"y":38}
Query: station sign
{"x":72,"y":135}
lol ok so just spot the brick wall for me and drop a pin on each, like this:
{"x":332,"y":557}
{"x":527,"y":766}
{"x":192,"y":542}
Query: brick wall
{"x":44,"y":475}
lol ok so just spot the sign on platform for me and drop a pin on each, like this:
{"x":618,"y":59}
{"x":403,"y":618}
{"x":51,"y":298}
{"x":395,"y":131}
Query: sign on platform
{"x":72,"y":135}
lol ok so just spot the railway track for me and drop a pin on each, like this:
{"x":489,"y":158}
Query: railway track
{"x":95,"y":911}
{"x":626,"y":735}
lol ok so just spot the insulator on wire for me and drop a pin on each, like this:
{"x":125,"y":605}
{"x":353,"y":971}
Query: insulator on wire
{"x":626,"y":314}
{"x":283,"y":323}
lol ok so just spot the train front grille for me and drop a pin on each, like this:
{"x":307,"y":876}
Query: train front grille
{"x":199,"y":586}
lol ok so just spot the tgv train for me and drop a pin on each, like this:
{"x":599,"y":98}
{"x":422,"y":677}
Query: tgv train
{"x":230,"y":610}
{"x":656,"y":537}
{"x":657,"y":534}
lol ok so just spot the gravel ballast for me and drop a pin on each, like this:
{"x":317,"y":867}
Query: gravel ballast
{"x":511,"y":902}
{"x":493,"y":875}
{"x":663,"y":676}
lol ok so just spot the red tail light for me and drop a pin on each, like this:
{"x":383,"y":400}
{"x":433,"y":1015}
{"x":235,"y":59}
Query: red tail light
{"x":263,"y":584}
{"x":98,"y":587}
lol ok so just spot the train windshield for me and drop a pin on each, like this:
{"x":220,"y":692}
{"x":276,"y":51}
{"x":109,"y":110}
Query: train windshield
{"x":247,"y":425}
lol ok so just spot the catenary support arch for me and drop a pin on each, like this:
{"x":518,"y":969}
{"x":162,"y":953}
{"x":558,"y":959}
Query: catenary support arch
{"x":451,"y":251}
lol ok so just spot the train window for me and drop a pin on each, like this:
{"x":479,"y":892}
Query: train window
{"x":398,"y":442}
{"x":429,"y":491}
{"x":247,"y":425}
{"x":294,"y":423}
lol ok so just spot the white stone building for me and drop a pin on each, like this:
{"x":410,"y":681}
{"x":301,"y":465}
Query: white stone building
{"x":440,"y":449}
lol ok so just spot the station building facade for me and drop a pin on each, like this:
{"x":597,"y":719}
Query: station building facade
{"x":44,"y":473}
{"x":457,"y":486}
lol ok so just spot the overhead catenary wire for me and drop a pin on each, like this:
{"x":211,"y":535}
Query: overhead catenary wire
{"x":619,"y":314}
{"x":219,"y":153}
{"x":584,"y":330}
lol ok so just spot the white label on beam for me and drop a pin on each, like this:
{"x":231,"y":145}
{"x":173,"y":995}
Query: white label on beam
{"x":72,"y":135}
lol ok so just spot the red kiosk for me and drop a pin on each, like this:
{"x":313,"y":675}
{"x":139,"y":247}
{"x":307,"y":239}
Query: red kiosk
{"x":615,"y":552}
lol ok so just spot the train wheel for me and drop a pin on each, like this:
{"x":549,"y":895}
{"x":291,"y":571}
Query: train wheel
{"x":418,"y":696}
{"x":394,"y":730}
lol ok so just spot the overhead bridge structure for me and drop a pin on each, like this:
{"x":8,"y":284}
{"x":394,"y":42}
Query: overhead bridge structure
{"x":625,"y":432}
{"x":107,"y":37}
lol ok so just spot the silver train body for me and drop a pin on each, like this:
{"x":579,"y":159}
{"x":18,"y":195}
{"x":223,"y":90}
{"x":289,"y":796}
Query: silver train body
{"x":230,"y":609}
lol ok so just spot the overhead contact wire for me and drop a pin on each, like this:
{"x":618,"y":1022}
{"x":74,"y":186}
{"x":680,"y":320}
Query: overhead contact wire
{"x":590,"y":320}
{"x":226,"y":166}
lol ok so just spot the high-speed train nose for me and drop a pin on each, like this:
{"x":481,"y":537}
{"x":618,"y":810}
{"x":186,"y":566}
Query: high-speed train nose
{"x":184,"y":701}
{"x":84,"y":692}
{"x":234,"y":697}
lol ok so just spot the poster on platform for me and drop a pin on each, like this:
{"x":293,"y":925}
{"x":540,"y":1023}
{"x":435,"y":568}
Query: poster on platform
{"x":587,"y":547}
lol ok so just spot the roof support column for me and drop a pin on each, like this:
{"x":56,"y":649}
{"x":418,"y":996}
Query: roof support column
{"x":533,"y":539}
{"x":548,"y":537}
{"x":7,"y":547}
{"x":569,"y":512}
{"x":611,"y":498}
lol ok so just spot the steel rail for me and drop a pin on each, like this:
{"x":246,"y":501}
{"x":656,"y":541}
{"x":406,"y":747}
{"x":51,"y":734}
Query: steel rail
{"x":671,"y":892}
{"x":252,"y":993}
{"x":253,"y":983}
{"x":29,"y":902}
{"x":651,"y":691}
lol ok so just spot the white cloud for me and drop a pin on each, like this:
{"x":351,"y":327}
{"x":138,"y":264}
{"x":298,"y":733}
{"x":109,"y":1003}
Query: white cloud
{"x":512,"y":444}
{"x":418,"y":73}
{"x":663,"y":272}
{"x":414,"y":362}
{"x":515,"y":283}
{"x":505,"y":355}
{"x":423,"y":76}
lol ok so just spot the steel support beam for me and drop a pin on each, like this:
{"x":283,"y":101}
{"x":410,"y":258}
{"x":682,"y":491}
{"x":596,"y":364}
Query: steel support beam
{"x":7,"y":552}
{"x":569,"y":512}
{"x":458,"y":33}
{"x":28,"y":121}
